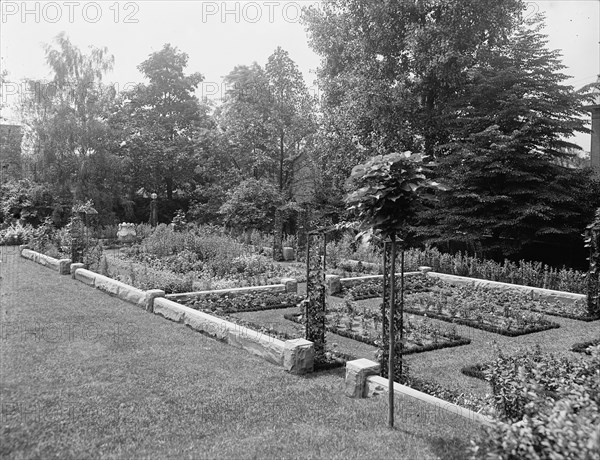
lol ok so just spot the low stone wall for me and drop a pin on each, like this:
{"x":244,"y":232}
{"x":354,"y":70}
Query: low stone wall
{"x":143,"y":299}
{"x":335,"y":283}
{"x":534,"y":292}
{"x":288,"y":285}
{"x":62,"y":266}
{"x":296,"y":356}
{"x":362,"y":382}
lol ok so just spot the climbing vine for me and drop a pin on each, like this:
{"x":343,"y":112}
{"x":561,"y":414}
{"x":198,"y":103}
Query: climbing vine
{"x":592,"y":241}
{"x":315,"y":291}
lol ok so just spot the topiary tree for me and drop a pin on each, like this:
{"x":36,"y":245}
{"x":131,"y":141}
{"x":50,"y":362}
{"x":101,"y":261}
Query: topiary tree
{"x":386,"y":193}
{"x":592,"y":241}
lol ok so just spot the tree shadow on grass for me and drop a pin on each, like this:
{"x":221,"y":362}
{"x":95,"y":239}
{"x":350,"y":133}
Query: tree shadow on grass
{"x":450,"y":448}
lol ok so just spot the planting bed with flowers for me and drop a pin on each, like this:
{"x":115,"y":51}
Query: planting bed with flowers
{"x":364,"y":324}
{"x":546,"y":406}
{"x":245,"y":302}
{"x":508,"y":313}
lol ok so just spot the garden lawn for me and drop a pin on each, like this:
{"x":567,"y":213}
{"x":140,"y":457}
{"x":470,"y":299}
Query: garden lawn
{"x":87,"y":375}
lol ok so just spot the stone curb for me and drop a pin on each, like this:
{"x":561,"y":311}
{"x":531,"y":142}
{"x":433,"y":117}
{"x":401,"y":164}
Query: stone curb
{"x":534,"y":292}
{"x":356,"y":280}
{"x":296,"y":356}
{"x":361,"y":382}
{"x":287,"y":285}
{"x":143,"y":299}
{"x":59,"y":265}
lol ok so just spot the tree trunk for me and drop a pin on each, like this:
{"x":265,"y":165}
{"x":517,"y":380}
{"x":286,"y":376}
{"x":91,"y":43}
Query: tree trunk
{"x":169,"y":184}
{"x":281,"y":154}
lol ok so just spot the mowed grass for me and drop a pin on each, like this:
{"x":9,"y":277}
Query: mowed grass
{"x":85,"y":375}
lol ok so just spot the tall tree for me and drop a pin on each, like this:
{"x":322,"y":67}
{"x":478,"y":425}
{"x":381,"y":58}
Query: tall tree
{"x":67,"y":118}
{"x":509,"y":127}
{"x":268,"y":117}
{"x":160,"y":120}
{"x":392,"y":65}
{"x":470,"y":85}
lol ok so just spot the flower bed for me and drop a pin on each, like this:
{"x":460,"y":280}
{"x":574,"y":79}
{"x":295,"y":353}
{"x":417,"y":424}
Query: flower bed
{"x":506,"y":313}
{"x":254,"y":301}
{"x":420,"y":335}
{"x":374,"y":289}
{"x":547,"y":406}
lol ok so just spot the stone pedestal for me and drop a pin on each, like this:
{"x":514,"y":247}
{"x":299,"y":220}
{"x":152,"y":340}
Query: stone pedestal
{"x":298,"y":356}
{"x":288,"y":254}
{"x":333,"y":283}
{"x":357,"y":372}
{"x":64,"y":266}
{"x":291,"y":285}
{"x":75,"y":267}
{"x":149,"y":299}
{"x":425,"y":269}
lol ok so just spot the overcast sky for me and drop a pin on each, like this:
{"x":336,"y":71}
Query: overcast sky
{"x":219,"y":35}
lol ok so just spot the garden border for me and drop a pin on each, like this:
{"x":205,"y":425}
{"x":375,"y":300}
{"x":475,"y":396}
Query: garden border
{"x":295,"y":355}
{"x":483,"y":327}
{"x":535,"y":292}
{"x":460,"y":341}
{"x":288,"y":285}
{"x":62,"y":266}
{"x":362,"y":381}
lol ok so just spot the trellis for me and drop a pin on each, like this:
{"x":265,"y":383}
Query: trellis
{"x":392,"y":339}
{"x":315,"y":305}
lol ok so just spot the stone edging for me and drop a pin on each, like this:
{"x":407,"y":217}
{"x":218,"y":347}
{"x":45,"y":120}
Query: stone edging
{"x":335,"y":285}
{"x":362,"y":381}
{"x":535,"y":292}
{"x":288,"y":285}
{"x":62,"y":266}
{"x":296,"y":356}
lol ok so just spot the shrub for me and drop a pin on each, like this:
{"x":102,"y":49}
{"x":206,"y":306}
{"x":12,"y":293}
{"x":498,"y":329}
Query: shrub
{"x":548,"y":407}
{"x":16,"y":234}
{"x":527,"y":273}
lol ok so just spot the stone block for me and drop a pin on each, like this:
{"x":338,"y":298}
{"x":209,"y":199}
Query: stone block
{"x":169,"y":309}
{"x":207,"y":324}
{"x":357,"y":372}
{"x":48,"y":261}
{"x":268,"y":348}
{"x":85,"y":276}
{"x":106,"y":284}
{"x":149,"y":298}
{"x":291,"y":285}
{"x":28,"y":254}
{"x":425,"y":269}
{"x":288,"y":254}
{"x":64,"y":266}
{"x":74,"y":268}
{"x":132,"y":295}
{"x":333,"y":283}
{"x":298,"y":356}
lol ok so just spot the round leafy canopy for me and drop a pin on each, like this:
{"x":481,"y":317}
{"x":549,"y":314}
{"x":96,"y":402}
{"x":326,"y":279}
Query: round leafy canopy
{"x":387,"y":189}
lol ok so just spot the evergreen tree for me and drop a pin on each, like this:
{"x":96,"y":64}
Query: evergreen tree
{"x":509,"y":131}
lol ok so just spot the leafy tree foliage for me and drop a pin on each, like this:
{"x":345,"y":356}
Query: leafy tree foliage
{"x":267,"y":118}
{"x":473,"y":86}
{"x":67,"y":125}
{"x":510,"y":128}
{"x":160,"y":121}
{"x":252,"y":204}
